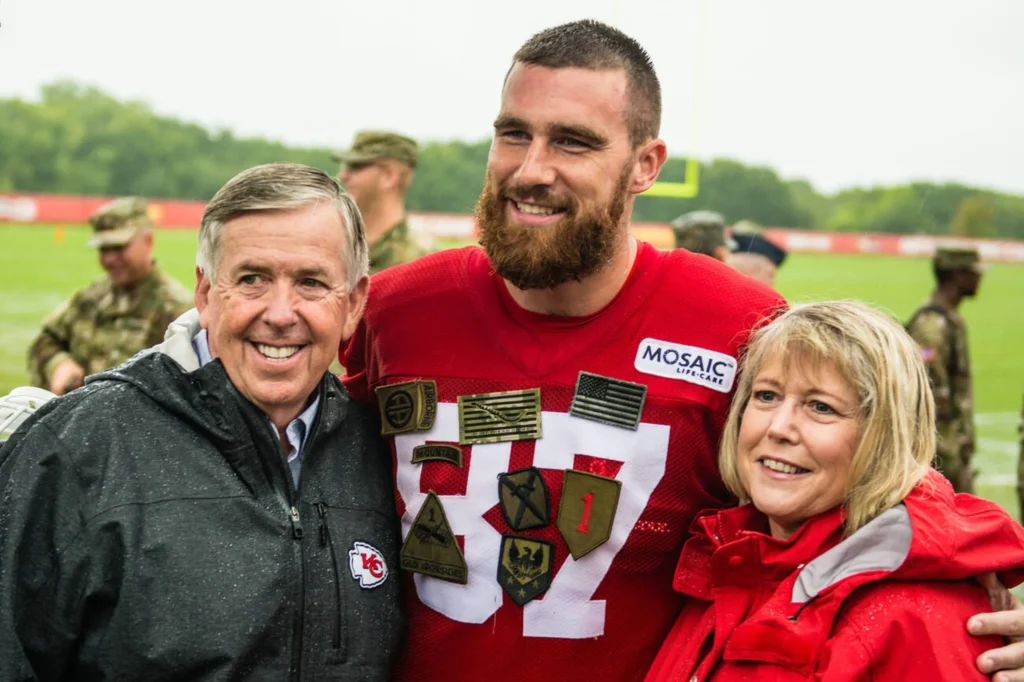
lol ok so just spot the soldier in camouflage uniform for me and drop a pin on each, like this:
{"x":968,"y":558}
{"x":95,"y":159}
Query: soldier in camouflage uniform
{"x":377,"y":172}
{"x":115,"y":317}
{"x":1020,"y":466}
{"x":941,"y":334}
{"x":702,"y":232}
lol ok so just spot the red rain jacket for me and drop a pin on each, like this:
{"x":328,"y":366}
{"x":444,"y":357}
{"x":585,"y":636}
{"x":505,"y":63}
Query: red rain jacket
{"x":889,"y":603}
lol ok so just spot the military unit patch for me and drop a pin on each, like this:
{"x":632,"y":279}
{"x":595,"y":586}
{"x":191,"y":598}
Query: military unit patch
{"x":428,"y":389}
{"x":586,"y":511}
{"x":408,"y":406}
{"x":588,"y":504}
{"x":609,"y":401}
{"x":498,"y":417}
{"x":525,"y":567}
{"x":431,"y":547}
{"x":524,"y":499}
{"x":437,"y":452}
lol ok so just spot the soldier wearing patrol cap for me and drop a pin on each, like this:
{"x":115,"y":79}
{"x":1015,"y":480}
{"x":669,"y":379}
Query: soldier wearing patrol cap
{"x":377,"y":172}
{"x":703,"y":232}
{"x":753,"y":254}
{"x":115,"y":317}
{"x":941,"y":334}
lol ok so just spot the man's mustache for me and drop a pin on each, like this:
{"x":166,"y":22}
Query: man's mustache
{"x":537,"y":194}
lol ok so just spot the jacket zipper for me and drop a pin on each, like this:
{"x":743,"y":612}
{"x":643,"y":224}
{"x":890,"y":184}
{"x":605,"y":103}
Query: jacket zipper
{"x":297,"y":534}
{"x":326,"y":541}
{"x":292,"y":502}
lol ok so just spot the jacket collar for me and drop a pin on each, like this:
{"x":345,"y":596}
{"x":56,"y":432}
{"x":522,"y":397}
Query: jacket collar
{"x":211,"y":384}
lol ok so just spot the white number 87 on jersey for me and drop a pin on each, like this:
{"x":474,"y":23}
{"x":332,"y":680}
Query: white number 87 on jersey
{"x":567,"y":609}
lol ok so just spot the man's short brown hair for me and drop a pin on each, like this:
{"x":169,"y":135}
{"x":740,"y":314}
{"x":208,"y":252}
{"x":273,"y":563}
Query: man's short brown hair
{"x":589,"y":44}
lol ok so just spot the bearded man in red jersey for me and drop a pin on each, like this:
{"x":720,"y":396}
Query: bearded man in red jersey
{"x":555,"y":398}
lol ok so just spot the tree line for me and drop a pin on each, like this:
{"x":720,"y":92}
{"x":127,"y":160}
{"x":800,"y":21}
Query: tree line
{"x":79,"y":140}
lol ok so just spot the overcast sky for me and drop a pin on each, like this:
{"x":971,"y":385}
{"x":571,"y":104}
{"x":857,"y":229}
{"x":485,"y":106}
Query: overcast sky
{"x":841,"y":93}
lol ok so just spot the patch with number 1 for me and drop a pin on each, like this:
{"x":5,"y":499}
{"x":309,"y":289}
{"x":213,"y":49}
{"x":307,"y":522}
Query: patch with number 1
{"x":587,"y":511}
{"x":431,"y":547}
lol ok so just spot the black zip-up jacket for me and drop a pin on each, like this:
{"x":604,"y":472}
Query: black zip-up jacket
{"x":150,"y":531}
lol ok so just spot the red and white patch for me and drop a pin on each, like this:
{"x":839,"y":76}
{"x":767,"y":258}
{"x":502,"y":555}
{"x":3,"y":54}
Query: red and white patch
{"x":928,"y":354}
{"x":367,"y":565}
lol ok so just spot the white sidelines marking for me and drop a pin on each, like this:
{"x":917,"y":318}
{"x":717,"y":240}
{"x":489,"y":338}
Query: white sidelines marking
{"x":997,"y":447}
{"x":997,"y":419}
{"x":1002,"y":480}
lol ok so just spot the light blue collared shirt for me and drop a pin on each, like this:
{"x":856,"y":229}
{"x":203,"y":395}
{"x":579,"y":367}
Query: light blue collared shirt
{"x":296,"y":431}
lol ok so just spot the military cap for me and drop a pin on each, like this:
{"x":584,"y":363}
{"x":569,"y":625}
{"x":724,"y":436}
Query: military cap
{"x":372,"y":145}
{"x":115,"y":223}
{"x":748,"y":237}
{"x":949,"y":258}
{"x":700,"y":232}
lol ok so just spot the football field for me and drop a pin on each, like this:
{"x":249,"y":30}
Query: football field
{"x":41,"y":265}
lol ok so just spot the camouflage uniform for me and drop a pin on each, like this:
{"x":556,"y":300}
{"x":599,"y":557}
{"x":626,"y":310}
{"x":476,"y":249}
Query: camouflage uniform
{"x":399,"y":244}
{"x":1020,"y":466}
{"x":941,"y":333}
{"x":102,"y":326}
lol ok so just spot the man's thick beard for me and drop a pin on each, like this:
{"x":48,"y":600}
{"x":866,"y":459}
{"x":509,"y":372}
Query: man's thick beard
{"x":543,"y":258}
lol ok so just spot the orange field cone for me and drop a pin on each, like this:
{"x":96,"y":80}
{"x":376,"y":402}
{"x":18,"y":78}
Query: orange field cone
{"x":58,"y":234}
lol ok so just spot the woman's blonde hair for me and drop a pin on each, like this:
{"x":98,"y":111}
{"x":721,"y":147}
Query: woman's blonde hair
{"x":880,"y":361}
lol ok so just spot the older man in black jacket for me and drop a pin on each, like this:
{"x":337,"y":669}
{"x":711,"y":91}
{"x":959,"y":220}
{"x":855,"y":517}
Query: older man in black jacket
{"x":215,"y":508}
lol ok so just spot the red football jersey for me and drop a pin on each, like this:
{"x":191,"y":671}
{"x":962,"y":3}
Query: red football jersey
{"x":675,"y":328}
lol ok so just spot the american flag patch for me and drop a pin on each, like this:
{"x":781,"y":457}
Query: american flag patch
{"x":609,"y":401}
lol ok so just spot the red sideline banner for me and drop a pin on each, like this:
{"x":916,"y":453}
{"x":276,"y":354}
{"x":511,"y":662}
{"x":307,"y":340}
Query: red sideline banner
{"x":166,"y":213}
{"x":54,"y":208}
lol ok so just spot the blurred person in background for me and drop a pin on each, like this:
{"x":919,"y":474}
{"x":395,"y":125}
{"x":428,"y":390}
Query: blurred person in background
{"x":115,"y":317}
{"x":703,"y":232}
{"x":216,"y":508}
{"x":852,"y":559}
{"x":1020,"y":465}
{"x":941,"y":333}
{"x":753,"y":254}
{"x":377,"y":172}
{"x":16,"y":406}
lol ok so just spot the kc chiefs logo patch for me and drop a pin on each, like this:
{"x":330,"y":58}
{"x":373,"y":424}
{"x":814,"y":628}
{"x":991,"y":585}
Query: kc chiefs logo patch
{"x":367,"y":565}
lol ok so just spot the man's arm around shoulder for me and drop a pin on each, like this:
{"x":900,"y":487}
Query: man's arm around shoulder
{"x":889,"y":634}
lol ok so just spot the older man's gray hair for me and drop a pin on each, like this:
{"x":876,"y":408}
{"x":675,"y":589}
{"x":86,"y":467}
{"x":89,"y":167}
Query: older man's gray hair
{"x":282,"y":187}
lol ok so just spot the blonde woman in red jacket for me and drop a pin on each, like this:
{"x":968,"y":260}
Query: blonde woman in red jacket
{"x":853,"y":559}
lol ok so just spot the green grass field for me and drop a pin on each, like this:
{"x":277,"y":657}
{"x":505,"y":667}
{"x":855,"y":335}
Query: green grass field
{"x":39,"y":268}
